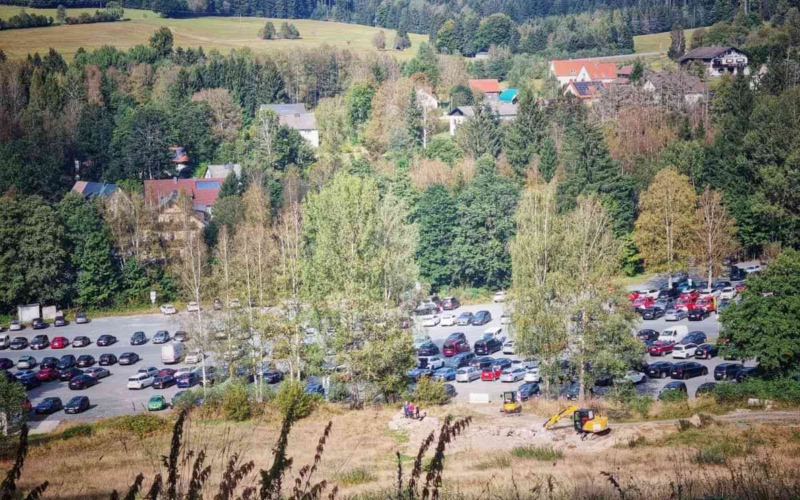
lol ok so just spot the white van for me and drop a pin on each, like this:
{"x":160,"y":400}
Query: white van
{"x":171,"y":353}
{"x":673,"y":333}
{"x":140,"y":381}
{"x":5,"y":341}
{"x":495,"y":332}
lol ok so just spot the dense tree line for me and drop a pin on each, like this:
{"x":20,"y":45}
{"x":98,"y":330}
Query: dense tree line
{"x":25,"y":20}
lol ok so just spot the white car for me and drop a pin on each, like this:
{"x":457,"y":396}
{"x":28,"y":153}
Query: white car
{"x":728,"y":293}
{"x":505,"y":318}
{"x":512,"y":375}
{"x":752,"y":269}
{"x":26,"y":363}
{"x":467,"y":374}
{"x":675,"y":314}
{"x":182,"y":371}
{"x":532,"y":374}
{"x":193,"y":307}
{"x":496,"y":332}
{"x":14,"y":326}
{"x":684,"y":351}
{"x":194,"y":357}
{"x":499,"y":296}
{"x":710,"y":291}
{"x":140,"y":381}
{"x":434,"y":362}
{"x":431,"y":321}
{"x":508,"y":347}
{"x":652,"y":293}
{"x":449,"y":320}
{"x":233,"y":304}
{"x":634,"y":377}
{"x":168,"y":309}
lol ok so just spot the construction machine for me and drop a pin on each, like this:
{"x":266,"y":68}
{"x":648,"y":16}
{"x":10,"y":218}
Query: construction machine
{"x":511,"y":404}
{"x":585,"y":420}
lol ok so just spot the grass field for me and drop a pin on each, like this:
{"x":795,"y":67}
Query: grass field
{"x":222,"y":33}
{"x":657,"y":42}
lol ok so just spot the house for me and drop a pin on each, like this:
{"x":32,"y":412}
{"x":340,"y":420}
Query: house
{"x":718,"y":60}
{"x":222,"y":171}
{"x":509,"y":96}
{"x":582,"y":70}
{"x":93,"y":189}
{"x":286,"y":109}
{"x":163,"y":193}
{"x":426,"y":100}
{"x":585,"y":91}
{"x":483,"y":55}
{"x":305,"y":123}
{"x":680,"y":83}
{"x":489,"y":87}
{"x":456,"y":117}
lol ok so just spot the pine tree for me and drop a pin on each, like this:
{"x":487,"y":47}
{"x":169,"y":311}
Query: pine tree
{"x":481,"y":134}
{"x":267,"y":32}
{"x":414,"y":120}
{"x":436,"y":209}
{"x":548,"y":159}
{"x":525,"y":133}
{"x":677,"y":47}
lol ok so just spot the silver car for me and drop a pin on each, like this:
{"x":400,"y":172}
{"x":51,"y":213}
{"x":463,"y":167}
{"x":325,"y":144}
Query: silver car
{"x":512,"y":375}
{"x":467,"y":374}
{"x":674,"y":314}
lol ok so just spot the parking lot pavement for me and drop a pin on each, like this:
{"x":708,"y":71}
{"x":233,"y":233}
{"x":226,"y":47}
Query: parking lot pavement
{"x":710,"y":326}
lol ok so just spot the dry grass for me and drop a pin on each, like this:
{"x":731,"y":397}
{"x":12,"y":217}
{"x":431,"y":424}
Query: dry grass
{"x":222,"y":33}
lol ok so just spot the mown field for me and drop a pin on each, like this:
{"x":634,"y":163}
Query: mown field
{"x":222,"y":33}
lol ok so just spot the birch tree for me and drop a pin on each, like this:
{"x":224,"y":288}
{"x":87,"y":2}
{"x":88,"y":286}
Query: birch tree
{"x":715,"y":231}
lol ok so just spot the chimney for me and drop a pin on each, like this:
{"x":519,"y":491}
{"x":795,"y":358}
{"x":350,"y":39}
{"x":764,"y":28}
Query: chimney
{"x":175,"y":180}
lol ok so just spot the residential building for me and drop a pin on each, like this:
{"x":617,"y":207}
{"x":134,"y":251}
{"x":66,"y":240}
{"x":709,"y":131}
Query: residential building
{"x":582,"y":70}
{"x":426,"y":100}
{"x":456,"y":117}
{"x":222,"y":171}
{"x":295,"y":116}
{"x":93,"y":189}
{"x":585,"y":91}
{"x":286,"y":109}
{"x":489,"y":87}
{"x":163,"y":193}
{"x":674,"y":85}
{"x":718,"y":60}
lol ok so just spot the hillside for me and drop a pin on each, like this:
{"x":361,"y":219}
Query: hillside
{"x":222,"y":33}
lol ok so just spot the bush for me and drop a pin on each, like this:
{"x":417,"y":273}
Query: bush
{"x":235,"y":404}
{"x":785,"y":390}
{"x":140,"y":425}
{"x":544,"y":453}
{"x":430,"y":392}
{"x":293,"y":393}
{"x":719,"y":453}
{"x":81,"y":430}
{"x":353,"y":477}
{"x":673,"y":396}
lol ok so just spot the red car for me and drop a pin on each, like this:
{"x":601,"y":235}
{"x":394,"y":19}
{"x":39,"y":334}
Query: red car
{"x":47,"y":374}
{"x":490,"y":374}
{"x":660,"y":348}
{"x":453,"y":347}
{"x":164,"y":372}
{"x":685,"y":303}
{"x":633,"y":295}
{"x":706,"y":303}
{"x":59,"y":343}
{"x":741,"y":287}
{"x":643,"y":303}
{"x":691,"y":295}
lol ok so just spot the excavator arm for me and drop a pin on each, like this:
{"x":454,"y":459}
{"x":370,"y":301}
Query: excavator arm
{"x":566,"y":412}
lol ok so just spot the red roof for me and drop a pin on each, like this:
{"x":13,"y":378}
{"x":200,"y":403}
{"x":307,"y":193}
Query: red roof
{"x":488,"y":86}
{"x":202,"y":191}
{"x":567,"y":68}
{"x":596,"y":70}
{"x":625,"y":71}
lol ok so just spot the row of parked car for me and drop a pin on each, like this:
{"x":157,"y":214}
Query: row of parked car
{"x":684,"y":300}
{"x":40,"y":324}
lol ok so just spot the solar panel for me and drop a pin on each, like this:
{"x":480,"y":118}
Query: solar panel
{"x":208,"y":185}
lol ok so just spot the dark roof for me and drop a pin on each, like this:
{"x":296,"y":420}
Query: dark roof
{"x":92,"y":189}
{"x":299,"y":121}
{"x":682,"y":80}
{"x":202,"y":191}
{"x":707,"y":53}
{"x":286,"y":109}
{"x":587,"y":90}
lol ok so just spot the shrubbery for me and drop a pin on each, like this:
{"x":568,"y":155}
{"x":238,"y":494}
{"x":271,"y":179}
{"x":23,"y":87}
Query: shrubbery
{"x":784,"y":390}
{"x":99,"y":16}
{"x":235,"y":403}
{"x":81,"y":430}
{"x":25,"y":20}
{"x":293,"y":392}
{"x":141,"y":425}
{"x":430,"y":392}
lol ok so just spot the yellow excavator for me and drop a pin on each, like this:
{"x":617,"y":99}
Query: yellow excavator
{"x":511,"y":404}
{"x":585,"y":420}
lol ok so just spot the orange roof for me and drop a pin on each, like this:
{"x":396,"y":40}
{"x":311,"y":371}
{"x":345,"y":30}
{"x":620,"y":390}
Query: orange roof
{"x":488,"y":86}
{"x":596,"y":70}
{"x":567,"y":68}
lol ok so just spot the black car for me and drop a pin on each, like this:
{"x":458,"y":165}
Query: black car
{"x":460,"y":360}
{"x":181,"y":336}
{"x":107,"y":359}
{"x":426,"y":309}
{"x":694,"y":338}
{"x":570,"y":391}
{"x":19,"y":343}
{"x":450,"y":391}
{"x":668,"y":293}
{"x":29,"y":381}
{"x":749,"y":372}
{"x":38,"y":324}
{"x":48,"y":406}
{"x":428,"y":349}
{"x":81,"y":341}
{"x":128,"y":358}
{"x":6,"y":363}
{"x":40,"y":342}
{"x":106,"y":340}
{"x":528,"y":390}
{"x":49,"y":362}
{"x":69,"y":374}
{"x":67,"y":361}
{"x":481,"y":318}
{"x":647,"y":334}
{"x":727,"y":371}
{"x":78,"y":404}
{"x":488,"y":346}
{"x":82,"y":382}
{"x":217,"y":305}
{"x":705,"y":388}
{"x":737,"y":273}
{"x":272,"y":376}
{"x":698,"y":314}
{"x":482,"y":362}
{"x":673,"y":386}
{"x":59,"y":321}
{"x":688,"y":369}
{"x":85,"y":360}
{"x":164,"y":381}
{"x":706,"y":351}
{"x":653,"y":312}
{"x":659,"y":369}
{"x":138,"y":338}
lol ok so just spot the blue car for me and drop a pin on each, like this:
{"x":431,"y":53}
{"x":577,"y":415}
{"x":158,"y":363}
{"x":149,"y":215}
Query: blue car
{"x":48,"y":405}
{"x":314,"y":387}
{"x":528,"y":390}
{"x":481,"y":318}
{"x":188,"y":380}
{"x":444,"y":374}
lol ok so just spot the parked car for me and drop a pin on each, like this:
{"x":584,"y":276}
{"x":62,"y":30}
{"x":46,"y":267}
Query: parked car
{"x":180,"y":336}
{"x":97,"y":372}
{"x":48,"y":406}
{"x":85,"y":360}
{"x":6,"y":363}
{"x":19,"y":343}
{"x":81,"y":318}
{"x":417,"y":373}
{"x":29,"y":381}
{"x":512,"y":374}
{"x":59,"y":321}
{"x":727,"y":371}
{"x":106,"y":340}
{"x":683,"y":351}
{"x":47,"y":374}
{"x":496,"y":369}
{"x":69,"y":374}
{"x":107,"y":359}
{"x":728,"y":293}
{"x":157,"y":403}
{"x":81,"y":341}
{"x":47,"y":362}
{"x":431,"y":321}
{"x":706,"y":351}
{"x":659,"y":369}
{"x":461,"y":359}
{"x":668,"y":292}
{"x":698,"y":314}
{"x":688,"y":369}
{"x":128,"y":358}
{"x":168,"y":309}
{"x":39,"y":342}
{"x":82,"y":382}
{"x":192,"y":307}
{"x":188,"y":380}
{"x":450,"y":303}
{"x":672,"y":386}
{"x":193,"y":357}
{"x":161,"y":337}
{"x":272,"y":376}
{"x":634,"y":377}
{"x":509,"y":347}
{"x":217,"y":305}
{"x":444,"y":374}
{"x":481,"y":318}
{"x":532,"y":373}
{"x":487,"y":345}
{"x":675,"y":314}
{"x":481,"y":362}
{"x":138,"y":338}
{"x":59,"y":343}
{"x":78,"y":404}
{"x":467,"y":374}
{"x":465,"y":318}
{"x":752,"y":269}
{"x":694,"y":338}
{"x":673,"y":333}
{"x":452,"y":347}
{"x":164,"y":381}
{"x":434,"y":362}
{"x":652,"y":312}
{"x":642,"y":302}
{"x":660,"y":348}
{"x":14,"y":326}
{"x":528,"y":390}
{"x":664,"y":303}
{"x":67,"y":361}
{"x":647,"y":334}
{"x":499,"y":297}
{"x":26,"y":363}
{"x":38,"y":324}
{"x":746,"y":372}
{"x":707,"y":302}
{"x":685,"y":304}
{"x":426,"y":309}
{"x":704,"y":389}
{"x":140,"y":381}
{"x":150,"y":370}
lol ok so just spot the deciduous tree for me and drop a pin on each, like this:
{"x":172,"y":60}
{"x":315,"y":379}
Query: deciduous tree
{"x":715,"y":231}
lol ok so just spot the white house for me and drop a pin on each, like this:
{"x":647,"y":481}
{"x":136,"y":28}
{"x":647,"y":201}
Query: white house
{"x":305,"y":123}
{"x":718,"y":60}
{"x":505,"y":111}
